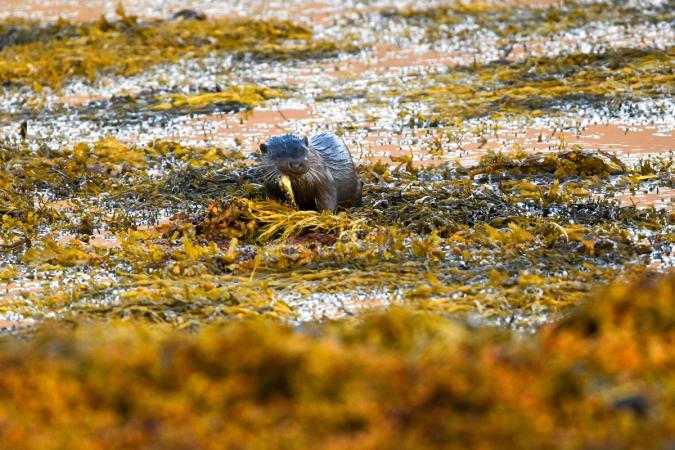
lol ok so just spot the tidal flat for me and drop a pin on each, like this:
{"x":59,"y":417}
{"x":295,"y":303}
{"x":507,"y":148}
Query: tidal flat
{"x":507,"y":283}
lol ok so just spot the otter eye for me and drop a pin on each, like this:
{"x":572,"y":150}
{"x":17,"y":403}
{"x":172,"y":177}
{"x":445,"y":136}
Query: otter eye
{"x":263,"y":148}
{"x":306,"y":141}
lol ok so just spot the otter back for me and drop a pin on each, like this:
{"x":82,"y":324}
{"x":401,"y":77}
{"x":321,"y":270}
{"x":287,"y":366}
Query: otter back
{"x":338,"y":161}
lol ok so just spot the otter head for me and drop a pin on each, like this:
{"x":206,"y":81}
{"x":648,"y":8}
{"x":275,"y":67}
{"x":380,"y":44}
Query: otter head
{"x":289,"y":153}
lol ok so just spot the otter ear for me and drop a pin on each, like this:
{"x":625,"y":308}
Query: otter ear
{"x":263,"y":148}
{"x":306,"y":141}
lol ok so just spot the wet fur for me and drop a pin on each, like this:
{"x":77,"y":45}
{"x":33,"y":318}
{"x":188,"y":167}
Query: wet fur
{"x":330,"y":180}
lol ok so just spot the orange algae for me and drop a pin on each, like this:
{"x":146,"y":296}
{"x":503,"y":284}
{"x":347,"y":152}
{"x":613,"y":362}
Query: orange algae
{"x":601,"y":378}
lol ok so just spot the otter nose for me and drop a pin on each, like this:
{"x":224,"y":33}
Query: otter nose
{"x":295,"y":165}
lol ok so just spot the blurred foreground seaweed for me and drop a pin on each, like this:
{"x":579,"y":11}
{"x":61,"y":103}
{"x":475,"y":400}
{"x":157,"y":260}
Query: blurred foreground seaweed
{"x":602,"y":378}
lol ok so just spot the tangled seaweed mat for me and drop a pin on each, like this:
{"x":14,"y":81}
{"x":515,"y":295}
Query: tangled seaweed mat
{"x":523,"y":84}
{"x":41,"y":56}
{"x":601,"y":378}
{"x":515,"y":240}
{"x":513,"y":22}
{"x":531,"y":87}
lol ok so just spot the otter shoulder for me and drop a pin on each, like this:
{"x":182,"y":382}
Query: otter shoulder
{"x":330,"y":147}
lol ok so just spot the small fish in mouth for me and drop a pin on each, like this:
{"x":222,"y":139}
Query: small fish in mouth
{"x":285,"y":185}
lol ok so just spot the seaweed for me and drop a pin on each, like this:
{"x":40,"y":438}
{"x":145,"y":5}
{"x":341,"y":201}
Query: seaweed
{"x":512,"y":22}
{"x":158,"y":106}
{"x":152,"y":296}
{"x":514,"y":239}
{"x":601,"y":378}
{"x":532,"y":87}
{"x":49,"y":55}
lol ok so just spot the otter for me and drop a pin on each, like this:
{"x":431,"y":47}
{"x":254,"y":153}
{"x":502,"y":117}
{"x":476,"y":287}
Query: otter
{"x":188,"y":14}
{"x":320,"y":169}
